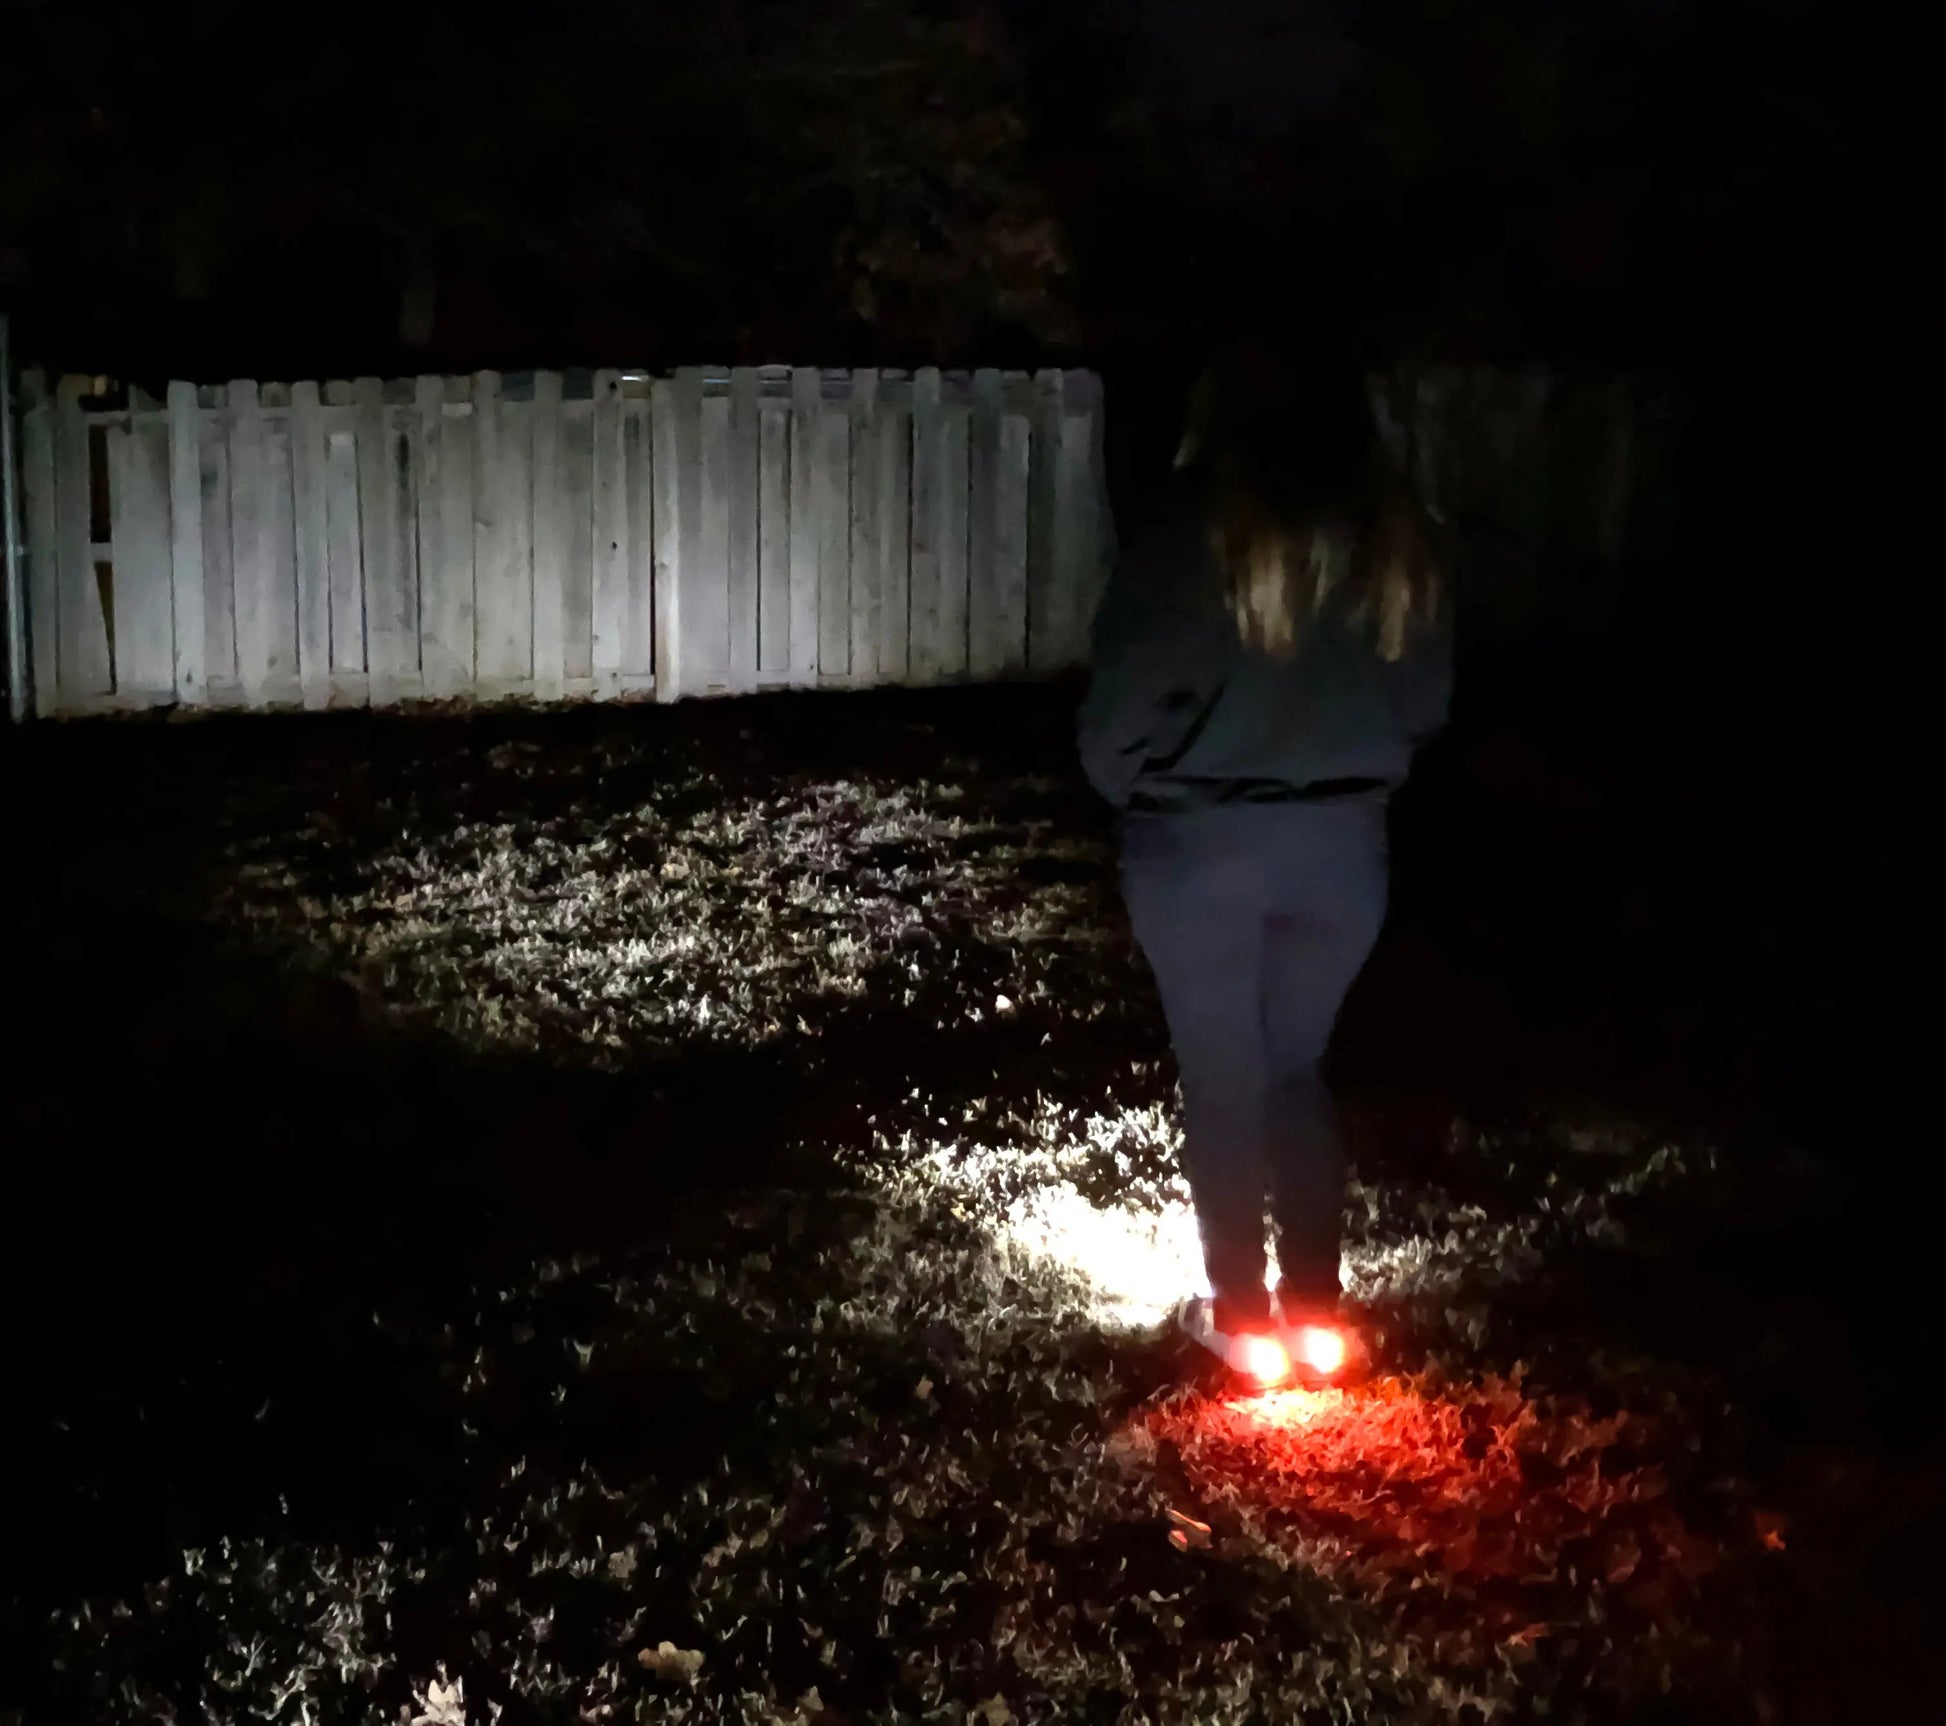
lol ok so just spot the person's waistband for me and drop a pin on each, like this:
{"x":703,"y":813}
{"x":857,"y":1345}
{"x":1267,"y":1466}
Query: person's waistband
{"x":1254,"y":796}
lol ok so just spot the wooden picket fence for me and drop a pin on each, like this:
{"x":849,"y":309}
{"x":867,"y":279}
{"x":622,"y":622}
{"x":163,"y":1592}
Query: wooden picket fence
{"x":554,"y":537}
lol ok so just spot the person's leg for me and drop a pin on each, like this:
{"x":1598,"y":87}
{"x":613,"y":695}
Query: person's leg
{"x":1331,"y":902}
{"x":1195,"y":906}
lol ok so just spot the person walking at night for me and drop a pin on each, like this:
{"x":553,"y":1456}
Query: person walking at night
{"x":1271,"y":649}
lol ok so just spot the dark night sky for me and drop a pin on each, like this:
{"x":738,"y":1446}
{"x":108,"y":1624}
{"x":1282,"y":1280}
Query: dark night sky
{"x":1607,"y":173}
{"x":1250,"y":65}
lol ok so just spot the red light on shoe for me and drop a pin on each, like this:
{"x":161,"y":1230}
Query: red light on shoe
{"x":1321,"y":1348}
{"x":1265,"y":1360}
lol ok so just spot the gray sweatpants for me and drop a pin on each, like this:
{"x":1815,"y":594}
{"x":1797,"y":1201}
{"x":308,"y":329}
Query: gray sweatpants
{"x":1256,"y":919}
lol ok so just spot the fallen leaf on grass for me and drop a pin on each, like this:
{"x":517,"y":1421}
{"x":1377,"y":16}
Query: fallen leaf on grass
{"x":666,"y":1660}
{"x":992,"y":1712}
{"x":441,"y":1704}
{"x":1188,"y":1532}
{"x":808,"y":1711}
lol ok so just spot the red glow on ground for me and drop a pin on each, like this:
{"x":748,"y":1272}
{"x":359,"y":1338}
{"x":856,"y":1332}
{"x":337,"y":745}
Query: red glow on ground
{"x":1481,"y":1492}
{"x":1321,"y":1348}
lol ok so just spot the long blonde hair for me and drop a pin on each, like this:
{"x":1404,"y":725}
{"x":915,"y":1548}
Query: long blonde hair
{"x":1284,"y":559}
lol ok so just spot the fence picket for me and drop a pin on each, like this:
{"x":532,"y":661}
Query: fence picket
{"x":503,"y":537}
{"x":250,"y":531}
{"x":578,"y":578}
{"x":550,"y":540}
{"x":805,"y":539}
{"x":867,"y":572}
{"x":638,"y":620}
{"x":776,"y":528}
{"x":666,"y":421}
{"x":85,"y":668}
{"x":378,"y":525}
{"x":188,"y":626}
{"x":138,"y":490}
{"x":956,"y":534}
{"x":922,"y":628}
{"x":741,"y":597}
{"x":986,"y":649}
{"x":312,"y":565}
{"x":831,"y":503}
{"x":1062,"y":637}
{"x":894,"y":510}
{"x":997,"y":598}
{"x":1046,"y":622}
{"x":280,"y":545}
{"x":345,"y":566}
{"x":608,"y":600}
{"x":706,"y":574}
{"x":219,"y":575}
{"x":444,"y":469}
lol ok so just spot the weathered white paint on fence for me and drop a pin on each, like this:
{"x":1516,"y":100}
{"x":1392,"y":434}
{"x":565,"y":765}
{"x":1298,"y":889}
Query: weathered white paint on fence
{"x":219,"y":584}
{"x":776,"y":525}
{"x":806,"y":545}
{"x":280,"y":558}
{"x":638,"y":622}
{"x":865,"y":570}
{"x":138,"y":487}
{"x":578,"y":557}
{"x":83,"y":628}
{"x":715,"y":530}
{"x":550,"y":541}
{"x":665,"y":423}
{"x":378,"y":541}
{"x":609,"y":532}
{"x":922,"y":577}
{"x":1046,"y":644}
{"x":997,"y":627}
{"x":250,"y":541}
{"x":997,"y":597}
{"x":951,"y":623}
{"x":740,"y":597}
{"x":503,"y":539}
{"x":706,"y":571}
{"x":446,"y":665}
{"x":893,"y":506}
{"x":188,"y":618}
{"x":349,"y":681}
{"x":1077,"y":550}
{"x":831,"y":506}
{"x":308,"y":509}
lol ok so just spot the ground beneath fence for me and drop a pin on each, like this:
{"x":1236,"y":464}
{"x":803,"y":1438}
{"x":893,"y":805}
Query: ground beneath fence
{"x":666,"y":1214}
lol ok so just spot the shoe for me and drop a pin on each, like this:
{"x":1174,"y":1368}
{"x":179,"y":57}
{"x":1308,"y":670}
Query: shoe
{"x":1253,"y":1348}
{"x":1323,"y":1349}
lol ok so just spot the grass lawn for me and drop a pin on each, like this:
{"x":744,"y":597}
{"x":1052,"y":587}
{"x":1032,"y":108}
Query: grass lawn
{"x":667,"y":1215}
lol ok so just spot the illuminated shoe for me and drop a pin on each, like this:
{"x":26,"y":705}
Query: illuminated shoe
{"x":1322,"y":1348}
{"x":1249,"y":1345}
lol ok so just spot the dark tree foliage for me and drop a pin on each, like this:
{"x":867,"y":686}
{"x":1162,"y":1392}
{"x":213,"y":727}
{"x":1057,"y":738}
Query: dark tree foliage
{"x":383,"y":185}
{"x":374,"y":187}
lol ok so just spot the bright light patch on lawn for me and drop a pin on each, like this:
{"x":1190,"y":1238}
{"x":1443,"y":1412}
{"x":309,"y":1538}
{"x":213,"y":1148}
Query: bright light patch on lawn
{"x":1137,"y":1266}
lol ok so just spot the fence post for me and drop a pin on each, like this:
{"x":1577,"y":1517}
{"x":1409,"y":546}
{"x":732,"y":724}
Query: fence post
{"x":16,"y":592}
